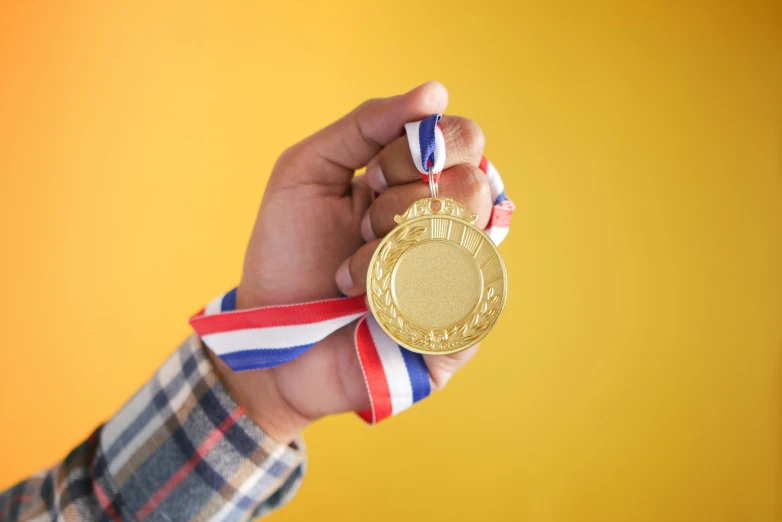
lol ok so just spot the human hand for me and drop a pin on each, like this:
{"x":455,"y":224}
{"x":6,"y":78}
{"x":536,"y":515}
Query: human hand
{"x":314,"y":219}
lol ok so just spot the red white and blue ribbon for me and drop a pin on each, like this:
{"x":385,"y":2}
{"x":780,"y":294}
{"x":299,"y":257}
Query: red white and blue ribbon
{"x":396,"y":378}
{"x":427,"y":146}
{"x":502,"y":207}
{"x":265,"y":337}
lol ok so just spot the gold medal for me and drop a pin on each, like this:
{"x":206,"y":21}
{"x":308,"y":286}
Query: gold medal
{"x":436,"y":284}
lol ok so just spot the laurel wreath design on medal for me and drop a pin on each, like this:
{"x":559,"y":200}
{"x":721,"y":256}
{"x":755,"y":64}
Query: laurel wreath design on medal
{"x":428,"y":340}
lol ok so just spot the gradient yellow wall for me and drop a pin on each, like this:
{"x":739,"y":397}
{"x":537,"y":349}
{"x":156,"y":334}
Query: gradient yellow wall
{"x":637,"y":371}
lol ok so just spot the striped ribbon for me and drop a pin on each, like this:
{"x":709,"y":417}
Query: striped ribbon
{"x":427,"y":146}
{"x":396,"y":378}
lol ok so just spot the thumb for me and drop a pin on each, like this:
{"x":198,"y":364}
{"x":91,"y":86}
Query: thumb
{"x":331,"y":155}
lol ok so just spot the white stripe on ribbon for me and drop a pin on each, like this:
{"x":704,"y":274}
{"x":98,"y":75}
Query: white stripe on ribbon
{"x":214,"y":306}
{"x":497,"y":234}
{"x":412,"y":130}
{"x":397,"y":378}
{"x":495,"y":181}
{"x":275,"y":337}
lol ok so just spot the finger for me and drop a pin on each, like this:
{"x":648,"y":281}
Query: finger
{"x":464,"y":143}
{"x":361,"y":194}
{"x":442,"y":367}
{"x":352,"y":273}
{"x":464,"y":183}
{"x":333,"y":153}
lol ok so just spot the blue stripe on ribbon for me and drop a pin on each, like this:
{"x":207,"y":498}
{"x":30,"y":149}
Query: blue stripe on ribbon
{"x":502,"y":197}
{"x":419,"y":376}
{"x":426,"y":139}
{"x":259,"y":358}
{"x":229,"y":302}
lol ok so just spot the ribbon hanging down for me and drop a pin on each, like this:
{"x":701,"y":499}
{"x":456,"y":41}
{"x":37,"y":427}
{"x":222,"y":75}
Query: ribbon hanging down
{"x":396,"y":378}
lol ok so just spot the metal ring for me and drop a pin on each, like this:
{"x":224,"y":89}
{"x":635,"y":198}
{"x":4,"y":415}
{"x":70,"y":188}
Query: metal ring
{"x":432,"y":183}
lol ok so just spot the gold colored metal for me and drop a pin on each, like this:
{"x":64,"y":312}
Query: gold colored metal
{"x":437,"y":284}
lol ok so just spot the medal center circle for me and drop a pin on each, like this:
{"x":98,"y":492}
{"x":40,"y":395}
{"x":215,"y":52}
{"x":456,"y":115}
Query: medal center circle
{"x":436,"y":283}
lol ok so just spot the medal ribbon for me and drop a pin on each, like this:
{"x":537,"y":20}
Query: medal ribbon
{"x":396,"y":378}
{"x":427,"y":146}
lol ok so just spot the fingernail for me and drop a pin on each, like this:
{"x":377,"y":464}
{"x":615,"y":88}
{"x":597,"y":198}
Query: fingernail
{"x":344,"y":281}
{"x":366,"y":228}
{"x":375,"y":177}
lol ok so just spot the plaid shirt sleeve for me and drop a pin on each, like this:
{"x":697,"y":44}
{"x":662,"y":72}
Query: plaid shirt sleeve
{"x":180,"y":449}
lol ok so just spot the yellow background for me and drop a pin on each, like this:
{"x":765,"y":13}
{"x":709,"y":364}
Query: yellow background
{"x":637,"y":371}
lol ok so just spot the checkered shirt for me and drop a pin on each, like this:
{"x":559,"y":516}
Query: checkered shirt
{"x":180,"y":449}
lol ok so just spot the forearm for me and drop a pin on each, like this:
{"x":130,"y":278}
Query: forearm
{"x":180,"y":449}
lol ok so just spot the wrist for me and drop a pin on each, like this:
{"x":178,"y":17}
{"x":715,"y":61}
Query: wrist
{"x":257,"y":392}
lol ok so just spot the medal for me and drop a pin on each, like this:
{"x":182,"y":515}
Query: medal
{"x":436,"y":283}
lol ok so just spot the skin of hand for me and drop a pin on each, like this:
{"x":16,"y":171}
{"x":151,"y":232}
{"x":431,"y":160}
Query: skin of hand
{"x":316,"y":230}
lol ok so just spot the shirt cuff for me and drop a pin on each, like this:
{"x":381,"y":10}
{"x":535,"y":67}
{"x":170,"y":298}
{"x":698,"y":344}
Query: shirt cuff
{"x":183,"y":449}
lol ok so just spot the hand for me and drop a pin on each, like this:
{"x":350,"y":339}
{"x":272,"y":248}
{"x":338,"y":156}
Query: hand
{"x":309,"y":243}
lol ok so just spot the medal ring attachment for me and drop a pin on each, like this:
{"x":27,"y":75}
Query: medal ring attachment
{"x":432,"y":183}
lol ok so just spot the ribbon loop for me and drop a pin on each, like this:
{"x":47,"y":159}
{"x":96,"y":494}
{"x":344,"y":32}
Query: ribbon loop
{"x":427,"y":146}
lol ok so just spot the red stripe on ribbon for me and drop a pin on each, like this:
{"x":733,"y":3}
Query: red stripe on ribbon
{"x":501,"y":214}
{"x":425,"y":177}
{"x":379,"y":395}
{"x":484,"y":165}
{"x":286,"y":315}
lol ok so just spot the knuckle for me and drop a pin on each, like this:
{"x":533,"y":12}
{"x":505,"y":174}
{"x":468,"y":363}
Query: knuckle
{"x":378,"y":213}
{"x":291,"y":157}
{"x":469,"y":136}
{"x":356,"y":273}
{"x":472,"y":186}
{"x":439,"y":381}
{"x":288,"y":155}
{"x":367,"y":104}
{"x":443,"y":368}
{"x":289,"y":160}
{"x":442,"y":372}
